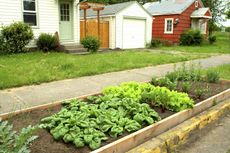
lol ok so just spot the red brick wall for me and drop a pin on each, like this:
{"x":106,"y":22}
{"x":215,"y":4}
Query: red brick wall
{"x":183,"y":25}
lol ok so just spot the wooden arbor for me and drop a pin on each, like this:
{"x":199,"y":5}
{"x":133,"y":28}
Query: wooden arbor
{"x":96,"y":7}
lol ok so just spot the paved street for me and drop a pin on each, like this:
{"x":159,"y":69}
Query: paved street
{"x":215,"y":138}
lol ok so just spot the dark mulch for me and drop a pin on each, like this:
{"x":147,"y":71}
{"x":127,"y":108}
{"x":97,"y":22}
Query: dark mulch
{"x":46,"y":144}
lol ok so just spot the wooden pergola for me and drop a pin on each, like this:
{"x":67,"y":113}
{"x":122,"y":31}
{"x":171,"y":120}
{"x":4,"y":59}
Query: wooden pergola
{"x":95,"y":7}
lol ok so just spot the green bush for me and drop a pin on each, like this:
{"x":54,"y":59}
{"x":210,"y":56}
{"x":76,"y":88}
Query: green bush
{"x":11,"y":142}
{"x":91,"y":43}
{"x":155,"y":43}
{"x":47,"y":42}
{"x":227,"y":29}
{"x":3,"y":46}
{"x":212,"y":76}
{"x":191,"y":37}
{"x":16,"y":36}
{"x":212,"y":39}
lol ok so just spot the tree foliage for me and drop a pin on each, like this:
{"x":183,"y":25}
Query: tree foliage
{"x":218,"y":8}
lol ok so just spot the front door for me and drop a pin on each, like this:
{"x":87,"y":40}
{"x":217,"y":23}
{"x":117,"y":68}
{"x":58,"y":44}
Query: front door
{"x":66,"y":20}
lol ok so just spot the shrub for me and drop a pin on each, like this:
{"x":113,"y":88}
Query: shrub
{"x":11,"y":142}
{"x":212,"y":39}
{"x":91,"y":43}
{"x":47,"y":42}
{"x":227,"y":29}
{"x":155,"y":43}
{"x":191,"y":37}
{"x":212,"y":76}
{"x":16,"y":36}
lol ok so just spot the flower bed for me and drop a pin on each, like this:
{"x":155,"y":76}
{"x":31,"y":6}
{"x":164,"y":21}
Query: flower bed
{"x":46,"y":143}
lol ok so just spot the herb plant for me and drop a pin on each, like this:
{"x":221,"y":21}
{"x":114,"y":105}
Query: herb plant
{"x":200,"y":91}
{"x":185,"y":86}
{"x":11,"y":142}
{"x":184,"y":73}
{"x":212,"y":76}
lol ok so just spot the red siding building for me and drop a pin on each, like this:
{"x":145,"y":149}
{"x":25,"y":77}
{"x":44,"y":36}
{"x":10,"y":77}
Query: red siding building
{"x":172,"y":17}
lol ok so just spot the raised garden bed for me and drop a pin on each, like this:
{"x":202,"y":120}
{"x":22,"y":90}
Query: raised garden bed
{"x":46,"y":144}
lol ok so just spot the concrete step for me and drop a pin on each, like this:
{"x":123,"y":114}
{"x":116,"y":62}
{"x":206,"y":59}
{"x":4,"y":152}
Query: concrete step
{"x":73,"y":47}
{"x":76,"y":50}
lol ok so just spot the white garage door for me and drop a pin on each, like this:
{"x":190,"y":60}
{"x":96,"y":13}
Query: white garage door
{"x":133,"y":33}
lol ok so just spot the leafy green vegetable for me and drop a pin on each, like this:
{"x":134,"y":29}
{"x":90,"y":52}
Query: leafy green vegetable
{"x":85,"y":123}
{"x":147,"y":93}
{"x":79,"y":142}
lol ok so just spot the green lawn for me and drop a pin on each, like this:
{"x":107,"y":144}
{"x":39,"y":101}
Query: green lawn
{"x":224,"y":71}
{"x":37,"y":67}
{"x":221,"y":46}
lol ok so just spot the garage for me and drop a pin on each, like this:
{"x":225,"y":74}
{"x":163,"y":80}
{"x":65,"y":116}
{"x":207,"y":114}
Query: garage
{"x":133,"y":38}
{"x":130,"y":25}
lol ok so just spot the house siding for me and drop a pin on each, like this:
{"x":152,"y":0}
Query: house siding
{"x":47,"y":14}
{"x":10,"y":11}
{"x":183,"y":25}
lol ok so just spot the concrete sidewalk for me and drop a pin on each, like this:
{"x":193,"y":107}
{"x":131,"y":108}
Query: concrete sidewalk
{"x":28,"y":96}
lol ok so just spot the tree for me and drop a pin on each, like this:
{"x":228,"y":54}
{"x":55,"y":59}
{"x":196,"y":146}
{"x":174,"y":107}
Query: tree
{"x":218,"y":8}
{"x":228,"y":11}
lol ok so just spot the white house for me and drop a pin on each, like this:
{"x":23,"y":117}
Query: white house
{"x":130,"y":25}
{"x":45,"y":16}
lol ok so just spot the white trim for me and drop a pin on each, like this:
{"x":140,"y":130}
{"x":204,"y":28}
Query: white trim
{"x":202,"y":16}
{"x":29,"y":11}
{"x":196,"y":4}
{"x":165,"y":31}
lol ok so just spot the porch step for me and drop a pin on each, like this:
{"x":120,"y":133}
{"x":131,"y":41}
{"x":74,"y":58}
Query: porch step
{"x":74,"y":48}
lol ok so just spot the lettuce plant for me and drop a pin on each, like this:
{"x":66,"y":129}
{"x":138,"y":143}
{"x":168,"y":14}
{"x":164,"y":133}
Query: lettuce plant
{"x":83,"y":123}
{"x":157,"y":96}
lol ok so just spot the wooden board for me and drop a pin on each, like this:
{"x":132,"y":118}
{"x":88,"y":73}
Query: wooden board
{"x":92,"y":30}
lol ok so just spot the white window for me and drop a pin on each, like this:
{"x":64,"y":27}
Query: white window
{"x":169,"y":25}
{"x":30,"y":12}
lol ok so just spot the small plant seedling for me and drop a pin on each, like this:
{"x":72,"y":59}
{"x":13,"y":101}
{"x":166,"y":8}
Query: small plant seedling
{"x":186,"y":86}
{"x":200,"y":91}
{"x":212,"y":76}
{"x":154,"y":81}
